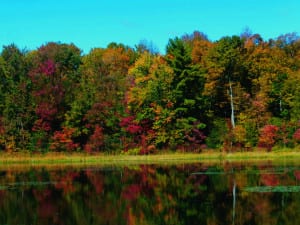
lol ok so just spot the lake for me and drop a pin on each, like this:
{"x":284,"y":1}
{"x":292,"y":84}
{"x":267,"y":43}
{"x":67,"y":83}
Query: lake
{"x":197,"y":193}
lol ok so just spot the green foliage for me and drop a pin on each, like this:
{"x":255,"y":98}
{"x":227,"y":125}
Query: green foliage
{"x":217,"y":133}
{"x":38,"y":142}
{"x":16,"y":104}
{"x":132,"y":151}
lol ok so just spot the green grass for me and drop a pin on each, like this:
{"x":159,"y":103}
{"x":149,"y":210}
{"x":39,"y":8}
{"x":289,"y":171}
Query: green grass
{"x":102,"y":159}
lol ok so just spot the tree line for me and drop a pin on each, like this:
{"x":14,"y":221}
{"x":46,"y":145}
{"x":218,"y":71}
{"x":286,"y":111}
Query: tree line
{"x":238,"y":92}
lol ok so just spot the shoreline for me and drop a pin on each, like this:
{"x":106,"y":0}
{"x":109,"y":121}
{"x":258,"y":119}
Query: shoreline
{"x":162,"y":158}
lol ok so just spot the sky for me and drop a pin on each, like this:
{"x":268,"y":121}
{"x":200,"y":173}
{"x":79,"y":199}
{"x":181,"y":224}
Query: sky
{"x":95,"y":23}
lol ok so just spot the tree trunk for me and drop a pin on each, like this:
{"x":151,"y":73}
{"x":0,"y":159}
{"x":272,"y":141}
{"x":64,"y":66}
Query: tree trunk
{"x":231,"y":104}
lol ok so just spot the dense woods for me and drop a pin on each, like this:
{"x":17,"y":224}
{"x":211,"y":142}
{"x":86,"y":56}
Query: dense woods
{"x":233,"y":94}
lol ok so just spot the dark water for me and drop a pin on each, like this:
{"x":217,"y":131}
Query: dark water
{"x":152,"y":194}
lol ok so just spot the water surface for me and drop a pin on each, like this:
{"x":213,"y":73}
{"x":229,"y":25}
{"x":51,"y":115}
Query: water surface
{"x":199,"y":193}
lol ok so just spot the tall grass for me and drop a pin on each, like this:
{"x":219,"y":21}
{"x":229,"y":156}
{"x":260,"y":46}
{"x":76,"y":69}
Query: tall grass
{"x":82,"y":158}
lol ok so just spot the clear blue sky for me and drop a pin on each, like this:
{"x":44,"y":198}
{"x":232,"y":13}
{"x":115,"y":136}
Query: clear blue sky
{"x":95,"y":23}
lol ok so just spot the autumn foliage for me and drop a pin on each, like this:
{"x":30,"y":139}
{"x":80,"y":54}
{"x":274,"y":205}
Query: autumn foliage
{"x":96,"y":141}
{"x":268,"y":135}
{"x":62,"y":140}
{"x":296,"y":135}
{"x":238,"y":92}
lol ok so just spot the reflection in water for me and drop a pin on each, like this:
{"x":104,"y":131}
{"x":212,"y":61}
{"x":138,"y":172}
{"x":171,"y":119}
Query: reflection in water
{"x":151,"y":194}
{"x":234,"y":201}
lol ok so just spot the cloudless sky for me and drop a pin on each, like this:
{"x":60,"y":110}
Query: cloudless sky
{"x":96,"y":23}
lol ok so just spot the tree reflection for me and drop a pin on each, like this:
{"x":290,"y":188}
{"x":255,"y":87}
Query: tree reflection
{"x":151,"y":194}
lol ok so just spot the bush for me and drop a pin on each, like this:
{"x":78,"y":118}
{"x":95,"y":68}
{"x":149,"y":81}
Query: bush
{"x":268,"y":136}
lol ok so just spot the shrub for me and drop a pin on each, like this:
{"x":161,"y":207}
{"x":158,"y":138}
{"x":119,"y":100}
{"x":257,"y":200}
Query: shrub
{"x":296,"y":135}
{"x":268,"y":136}
{"x":62,"y":140}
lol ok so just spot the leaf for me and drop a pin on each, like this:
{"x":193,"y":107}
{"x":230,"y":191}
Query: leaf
{"x":189,"y":102}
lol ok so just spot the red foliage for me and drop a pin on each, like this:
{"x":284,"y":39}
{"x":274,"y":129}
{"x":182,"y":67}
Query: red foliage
{"x":126,"y":121}
{"x":96,"y":140}
{"x":134,"y":129}
{"x":141,"y":134}
{"x":47,"y":67}
{"x":268,"y":136}
{"x":46,"y":111}
{"x":62,"y":140}
{"x":131,"y":125}
{"x":269,"y":180}
{"x":41,"y":125}
{"x":296,"y":135}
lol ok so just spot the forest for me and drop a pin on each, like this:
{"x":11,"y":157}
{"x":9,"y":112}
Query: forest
{"x":236,"y":93}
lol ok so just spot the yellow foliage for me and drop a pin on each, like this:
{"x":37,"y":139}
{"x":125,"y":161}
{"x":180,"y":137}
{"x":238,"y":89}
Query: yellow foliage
{"x":239,"y":133}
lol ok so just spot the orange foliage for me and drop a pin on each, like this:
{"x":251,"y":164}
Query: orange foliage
{"x":62,"y":140}
{"x":116,"y":59}
{"x":200,"y":50}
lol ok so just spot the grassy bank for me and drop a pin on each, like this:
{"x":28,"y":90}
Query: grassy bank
{"x":101,"y":159}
